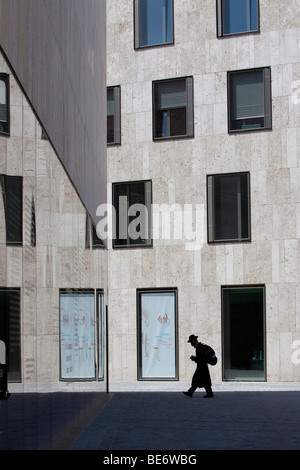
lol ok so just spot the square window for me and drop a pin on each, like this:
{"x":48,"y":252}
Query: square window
{"x":173,"y":108}
{"x":153,"y":23}
{"x":4,"y":104}
{"x":132,"y":214}
{"x":228,"y":207}
{"x":237,"y":16}
{"x":249,"y":100}
{"x":113,"y":115}
{"x":12,"y":191}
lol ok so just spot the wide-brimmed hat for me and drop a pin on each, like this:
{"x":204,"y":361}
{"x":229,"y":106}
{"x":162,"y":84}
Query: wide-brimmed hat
{"x":192,"y":338}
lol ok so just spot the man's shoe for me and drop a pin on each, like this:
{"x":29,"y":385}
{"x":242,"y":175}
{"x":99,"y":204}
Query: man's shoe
{"x":187,"y":394}
{"x":211,"y":395}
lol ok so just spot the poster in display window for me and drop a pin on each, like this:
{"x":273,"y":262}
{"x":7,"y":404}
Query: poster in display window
{"x":157,"y":335}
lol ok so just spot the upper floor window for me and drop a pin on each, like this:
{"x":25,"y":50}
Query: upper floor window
{"x":228,"y":207}
{"x":113,"y":115}
{"x":4,"y":104}
{"x":132,"y":216}
{"x":237,"y":16}
{"x":12,"y":190}
{"x":249,"y":99}
{"x":153,"y":22}
{"x":173,"y":114}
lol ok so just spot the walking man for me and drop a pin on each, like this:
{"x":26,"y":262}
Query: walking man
{"x":201,"y":377}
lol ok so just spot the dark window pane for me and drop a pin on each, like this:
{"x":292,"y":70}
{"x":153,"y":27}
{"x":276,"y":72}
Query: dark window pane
{"x":230,"y":207}
{"x":4,"y":111}
{"x":10,"y":331}
{"x":13,"y":209}
{"x":243,"y":333}
{"x":247,"y":100}
{"x":170,"y":108}
{"x":240,"y":16}
{"x":110,"y":115}
{"x":155,"y":22}
{"x":132,"y":213}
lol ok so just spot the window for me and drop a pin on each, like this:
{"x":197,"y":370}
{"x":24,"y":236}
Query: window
{"x":81,"y":334}
{"x":77,"y":334}
{"x":113,"y":115}
{"x":12,"y":191}
{"x":157,"y":334}
{"x":92,"y":239}
{"x":249,"y":100}
{"x":237,"y":16}
{"x":132,"y":215}
{"x":153,"y":23}
{"x":173,"y":108}
{"x":228,"y":199}
{"x":4,"y":104}
{"x":10,"y":332}
{"x":243,"y":312}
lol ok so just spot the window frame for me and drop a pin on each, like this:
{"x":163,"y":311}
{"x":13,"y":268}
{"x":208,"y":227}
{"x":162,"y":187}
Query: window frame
{"x":139,"y":294}
{"x":211,"y":224}
{"x":5,"y":78}
{"x":3,"y":183}
{"x":10,"y":333}
{"x":91,"y":238}
{"x":267,"y":100}
{"x":189,"y":81}
{"x":237,"y":374}
{"x":220,"y":24}
{"x":116,"y":216}
{"x":136,"y":34}
{"x":116,"y":89}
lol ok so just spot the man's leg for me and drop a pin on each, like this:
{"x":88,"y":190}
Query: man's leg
{"x":209,"y":392}
{"x":190,"y":392}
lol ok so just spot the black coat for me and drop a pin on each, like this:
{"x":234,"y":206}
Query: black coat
{"x":201,"y":377}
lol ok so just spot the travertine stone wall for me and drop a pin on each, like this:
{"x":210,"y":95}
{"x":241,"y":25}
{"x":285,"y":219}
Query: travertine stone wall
{"x":59,"y":259}
{"x":178,"y":172}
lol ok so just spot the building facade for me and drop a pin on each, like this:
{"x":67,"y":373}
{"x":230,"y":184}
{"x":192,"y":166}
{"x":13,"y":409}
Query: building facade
{"x":53,"y":271}
{"x":203,"y":181}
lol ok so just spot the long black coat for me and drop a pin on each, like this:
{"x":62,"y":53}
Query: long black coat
{"x":201,"y":377}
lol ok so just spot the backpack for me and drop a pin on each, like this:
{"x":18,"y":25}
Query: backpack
{"x":210,"y":354}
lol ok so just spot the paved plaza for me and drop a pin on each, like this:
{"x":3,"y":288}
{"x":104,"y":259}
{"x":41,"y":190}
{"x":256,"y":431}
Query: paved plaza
{"x":152,"y":416}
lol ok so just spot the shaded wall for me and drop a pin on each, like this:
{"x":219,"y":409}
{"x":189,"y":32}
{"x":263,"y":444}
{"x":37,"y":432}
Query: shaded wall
{"x":57,"y":49}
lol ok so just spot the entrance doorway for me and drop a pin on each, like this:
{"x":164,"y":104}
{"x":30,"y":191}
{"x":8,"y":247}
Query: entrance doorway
{"x":243,"y":312}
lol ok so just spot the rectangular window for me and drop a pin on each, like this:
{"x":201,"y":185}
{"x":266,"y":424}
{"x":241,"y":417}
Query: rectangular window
{"x":12,"y":191}
{"x":4,"y":103}
{"x":113,"y":115}
{"x":157,"y":334}
{"x":10,"y":332}
{"x":132,"y":216}
{"x":228,"y":207}
{"x":77,"y":335}
{"x":243,"y":312}
{"x":153,"y":23}
{"x":100,"y":313}
{"x":237,"y":16}
{"x":91,"y":238}
{"x":249,"y":100}
{"x":173,"y":114}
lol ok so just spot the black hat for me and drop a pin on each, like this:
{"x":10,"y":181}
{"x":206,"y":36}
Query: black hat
{"x":192,"y":338}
